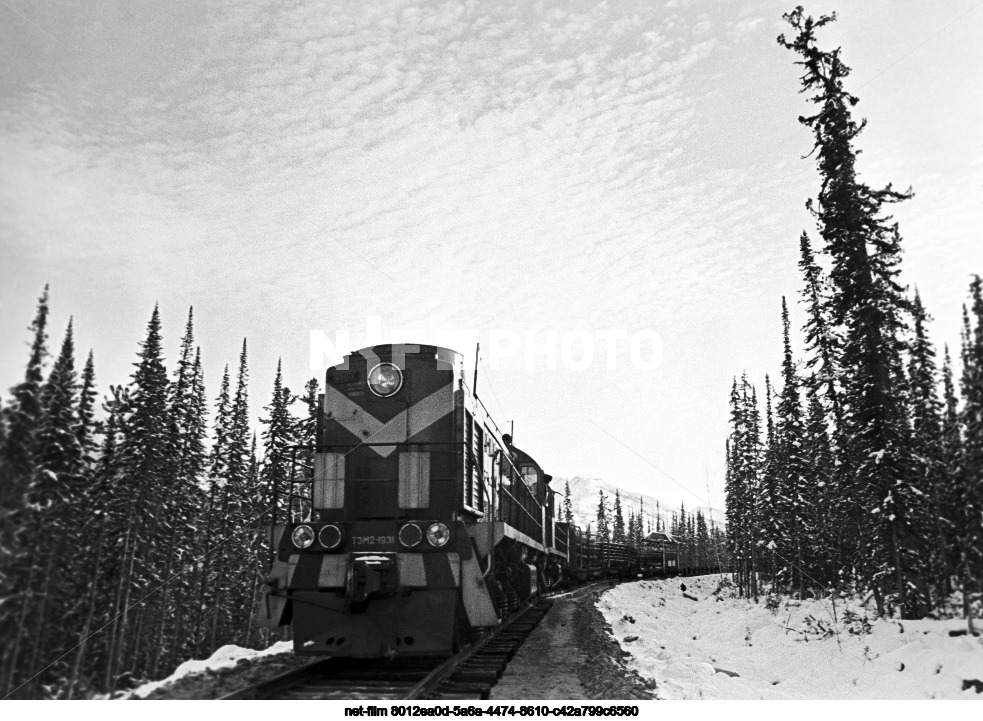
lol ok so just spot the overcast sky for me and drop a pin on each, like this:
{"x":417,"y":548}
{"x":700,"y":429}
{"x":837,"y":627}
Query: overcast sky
{"x":488,"y":165}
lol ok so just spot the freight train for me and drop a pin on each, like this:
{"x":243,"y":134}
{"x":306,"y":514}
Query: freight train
{"x":414,"y":522}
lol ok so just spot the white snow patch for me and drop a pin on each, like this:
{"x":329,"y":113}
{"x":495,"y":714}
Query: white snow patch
{"x":690,"y":647}
{"x":222,"y":658}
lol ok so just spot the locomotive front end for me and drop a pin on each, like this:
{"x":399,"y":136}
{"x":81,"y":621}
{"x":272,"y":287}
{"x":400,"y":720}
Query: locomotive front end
{"x":370,"y":556}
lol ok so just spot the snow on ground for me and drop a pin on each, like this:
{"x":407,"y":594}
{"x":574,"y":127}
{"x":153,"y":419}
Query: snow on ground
{"x":789,"y":652}
{"x":222,"y":658}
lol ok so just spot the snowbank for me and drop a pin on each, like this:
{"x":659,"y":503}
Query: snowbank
{"x":222,"y":658}
{"x":721,"y":647}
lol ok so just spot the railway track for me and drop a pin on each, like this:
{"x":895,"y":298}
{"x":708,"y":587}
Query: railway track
{"x":469,"y":674}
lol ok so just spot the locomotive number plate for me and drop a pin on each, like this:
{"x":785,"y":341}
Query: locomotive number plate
{"x":361,"y":541}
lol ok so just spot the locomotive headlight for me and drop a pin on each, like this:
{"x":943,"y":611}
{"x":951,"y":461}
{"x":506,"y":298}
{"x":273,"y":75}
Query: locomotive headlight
{"x":303,"y":536}
{"x":330,"y":537}
{"x":410,"y":535}
{"x":385,"y":380}
{"x":438,"y":535}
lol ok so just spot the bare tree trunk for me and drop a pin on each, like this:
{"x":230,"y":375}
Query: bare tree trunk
{"x":798,"y":561}
{"x":205,"y":563}
{"x":41,"y":628}
{"x":159,"y":637}
{"x":89,"y":615}
{"x":26,"y":604}
{"x":967,"y":611}
{"x":122,"y":597}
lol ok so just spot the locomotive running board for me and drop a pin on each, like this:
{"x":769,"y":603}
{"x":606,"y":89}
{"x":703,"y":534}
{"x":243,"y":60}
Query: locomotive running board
{"x":480,"y":533}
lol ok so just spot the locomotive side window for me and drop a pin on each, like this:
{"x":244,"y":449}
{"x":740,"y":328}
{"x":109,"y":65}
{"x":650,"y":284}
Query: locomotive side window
{"x":529,"y":476}
{"x":506,"y":475}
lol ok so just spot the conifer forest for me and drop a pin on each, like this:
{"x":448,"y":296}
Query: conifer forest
{"x":861,"y":468}
{"x":132,"y":510}
{"x":131,"y":527}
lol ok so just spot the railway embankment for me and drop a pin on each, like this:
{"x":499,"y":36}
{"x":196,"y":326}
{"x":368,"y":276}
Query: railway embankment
{"x":694,"y":638}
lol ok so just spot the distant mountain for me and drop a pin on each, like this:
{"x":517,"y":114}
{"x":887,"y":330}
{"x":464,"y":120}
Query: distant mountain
{"x":584,"y":496}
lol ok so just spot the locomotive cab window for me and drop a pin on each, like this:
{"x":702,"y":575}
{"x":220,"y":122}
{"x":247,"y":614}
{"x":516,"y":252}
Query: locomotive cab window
{"x":529,"y":475}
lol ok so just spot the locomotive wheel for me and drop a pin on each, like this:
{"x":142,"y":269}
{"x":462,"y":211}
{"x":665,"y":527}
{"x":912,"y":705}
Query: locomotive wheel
{"x":520,"y":582}
{"x":512,"y":598}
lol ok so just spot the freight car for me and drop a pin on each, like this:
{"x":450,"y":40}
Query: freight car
{"x":659,"y":555}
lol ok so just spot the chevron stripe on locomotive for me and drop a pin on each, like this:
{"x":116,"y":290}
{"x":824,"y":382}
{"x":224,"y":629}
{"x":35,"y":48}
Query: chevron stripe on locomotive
{"x":414,"y":522}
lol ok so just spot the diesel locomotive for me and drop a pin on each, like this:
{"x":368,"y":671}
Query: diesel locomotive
{"x":414,"y":522}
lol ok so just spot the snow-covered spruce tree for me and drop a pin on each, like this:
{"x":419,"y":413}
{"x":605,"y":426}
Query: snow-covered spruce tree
{"x":603,"y":528}
{"x":736,"y":493}
{"x":18,"y":469}
{"x":821,"y":555}
{"x":212,"y":522}
{"x":180,"y":507}
{"x":822,"y":344}
{"x":567,"y":503}
{"x":244,"y":499}
{"x":306,"y":431}
{"x":929,"y":453}
{"x":793,"y":469}
{"x":282,"y":430}
{"x":105,"y":513}
{"x":952,"y":459}
{"x":681,"y":532}
{"x":618,"y":522}
{"x":771,"y":536}
{"x":253,"y":538}
{"x":833,"y":560}
{"x":702,"y":538}
{"x":144,"y":457}
{"x":87,"y":430}
{"x":870,"y":306}
{"x":235,"y":552}
{"x":969,"y":479}
{"x":952,"y":449}
{"x":746,"y":460}
{"x":56,"y":496}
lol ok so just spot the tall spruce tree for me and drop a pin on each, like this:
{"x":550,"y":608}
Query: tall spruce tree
{"x":56,"y":494}
{"x":145,"y":461}
{"x":929,"y":454}
{"x":18,"y":472}
{"x":772,"y":534}
{"x":969,"y":478}
{"x":618,"y":524}
{"x":86,"y":428}
{"x":870,"y":306}
{"x":603,"y":525}
{"x":280,"y":433}
{"x":793,"y":470}
{"x":567,"y":503}
{"x":214,"y":519}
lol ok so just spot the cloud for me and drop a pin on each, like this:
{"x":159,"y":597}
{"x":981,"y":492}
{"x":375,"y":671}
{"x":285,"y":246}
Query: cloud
{"x":499,"y":164}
